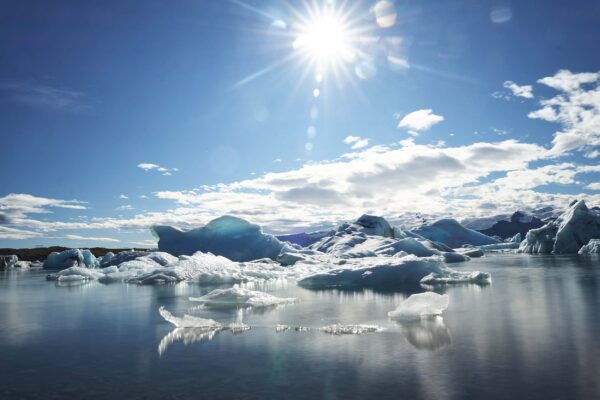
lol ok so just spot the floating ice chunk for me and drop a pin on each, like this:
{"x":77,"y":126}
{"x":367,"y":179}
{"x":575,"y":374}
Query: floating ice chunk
{"x":189,"y":321}
{"x":593,"y":247}
{"x":227,"y":236}
{"x":282,"y":328}
{"x":455,"y":257}
{"x":470,"y":251}
{"x":89,"y":259}
{"x":499,"y":246}
{"x":567,"y":234}
{"x":7,"y":262}
{"x":453,"y":234}
{"x":382,"y":272}
{"x":23,"y":264}
{"x":420,"y":305}
{"x":341,"y":329}
{"x":454,"y":277}
{"x":190,"y":329}
{"x":240,"y":297}
{"x":75,"y":274}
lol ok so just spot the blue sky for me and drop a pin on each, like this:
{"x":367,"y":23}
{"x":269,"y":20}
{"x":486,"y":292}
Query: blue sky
{"x":91,"y":90}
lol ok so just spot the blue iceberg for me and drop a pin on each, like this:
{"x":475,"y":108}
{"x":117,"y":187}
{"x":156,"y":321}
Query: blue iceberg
{"x":227,"y":236}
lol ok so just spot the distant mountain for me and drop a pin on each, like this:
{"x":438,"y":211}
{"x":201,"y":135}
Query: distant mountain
{"x":519,"y":223}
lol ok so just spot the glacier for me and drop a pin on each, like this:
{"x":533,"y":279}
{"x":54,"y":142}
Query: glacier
{"x":231,"y":237}
{"x":567,"y":234}
{"x":420,"y":305}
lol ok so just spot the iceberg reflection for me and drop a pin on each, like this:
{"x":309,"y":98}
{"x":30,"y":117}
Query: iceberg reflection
{"x":426,"y":333}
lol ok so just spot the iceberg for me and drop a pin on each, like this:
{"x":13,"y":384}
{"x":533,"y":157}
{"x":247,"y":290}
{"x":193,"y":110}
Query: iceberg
{"x":305,"y":239}
{"x":593,"y":247}
{"x":240,"y":297}
{"x":7,"y":262}
{"x":421,"y":305}
{"x":565,"y":235}
{"x":453,"y":234}
{"x":188,"y":321}
{"x":75,"y":273}
{"x":70,"y":258}
{"x":386,"y":272}
{"x":227,"y":236}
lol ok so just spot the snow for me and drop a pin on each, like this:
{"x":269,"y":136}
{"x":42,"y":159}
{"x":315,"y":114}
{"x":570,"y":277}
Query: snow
{"x":566,"y":235}
{"x":381,"y":272}
{"x":420,"y":305}
{"x":453,"y":234}
{"x":69,"y":258}
{"x":593,"y":247}
{"x":8,"y":261}
{"x":75,"y":274}
{"x":228,"y":236}
{"x":240,"y":297}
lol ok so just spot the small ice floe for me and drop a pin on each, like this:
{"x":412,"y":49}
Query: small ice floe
{"x":420,"y":305}
{"x":75,"y":274}
{"x":240,"y":297}
{"x":358,"y":329}
{"x":190,"y":329}
{"x":282,"y":328}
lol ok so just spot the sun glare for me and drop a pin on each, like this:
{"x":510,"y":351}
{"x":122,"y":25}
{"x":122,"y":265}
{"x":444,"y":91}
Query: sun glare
{"x":325,"y":40}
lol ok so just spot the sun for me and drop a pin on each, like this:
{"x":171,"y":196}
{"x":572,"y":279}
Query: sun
{"x":325,"y":39}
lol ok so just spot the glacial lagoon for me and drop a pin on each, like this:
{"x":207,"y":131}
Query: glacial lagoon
{"x":533,"y":332}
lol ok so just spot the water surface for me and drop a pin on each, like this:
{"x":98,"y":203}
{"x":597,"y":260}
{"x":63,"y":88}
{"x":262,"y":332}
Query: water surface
{"x":533,"y":333}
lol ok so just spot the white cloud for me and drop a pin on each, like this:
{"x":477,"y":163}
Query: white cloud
{"x":16,"y":234}
{"x":155,"y":167}
{"x":593,"y":186}
{"x":125,"y":207}
{"x":16,"y":205}
{"x":592,"y":154}
{"x":91,"y":238}
{"x":420,"y":120}
{"x":277,"y":160}
{"x":576,"y":108}
{"x":356,"y":142}
{"x":124,"y":197}
{"x":525,"y":91}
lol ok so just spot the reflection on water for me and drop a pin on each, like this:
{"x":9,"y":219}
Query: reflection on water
{"x":534,"y":333}
{"x":426,"y":333}
{"x":193,"y":335}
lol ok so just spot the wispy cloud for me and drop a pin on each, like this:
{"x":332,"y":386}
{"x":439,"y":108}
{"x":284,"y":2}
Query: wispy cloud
{"x":16,"y":234}
{"x":91,"y":238}
{"x":420,"y":120}
{"x":124,"y":197}
{"x":155,"y":167}
{"x":126,"y":207}
{"x":356,"y":142}
{"x":525,"y":91}
{"x":45,"y":96}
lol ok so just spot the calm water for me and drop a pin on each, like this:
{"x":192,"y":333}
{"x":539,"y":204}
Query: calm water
{"x":533,"y":333}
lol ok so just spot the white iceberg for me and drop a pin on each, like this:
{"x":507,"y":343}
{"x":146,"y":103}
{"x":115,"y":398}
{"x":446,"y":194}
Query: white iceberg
{"x":7,"y":262}
{"x":453,"y":234}
{"x":593,"y":247}
{"x":189,"y":321}
{"x":421,"y":305}
{"x":228,"y":236}
{"x":75,"y":274}
{"x":566,"y":235}
{"x":240,"y":297}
